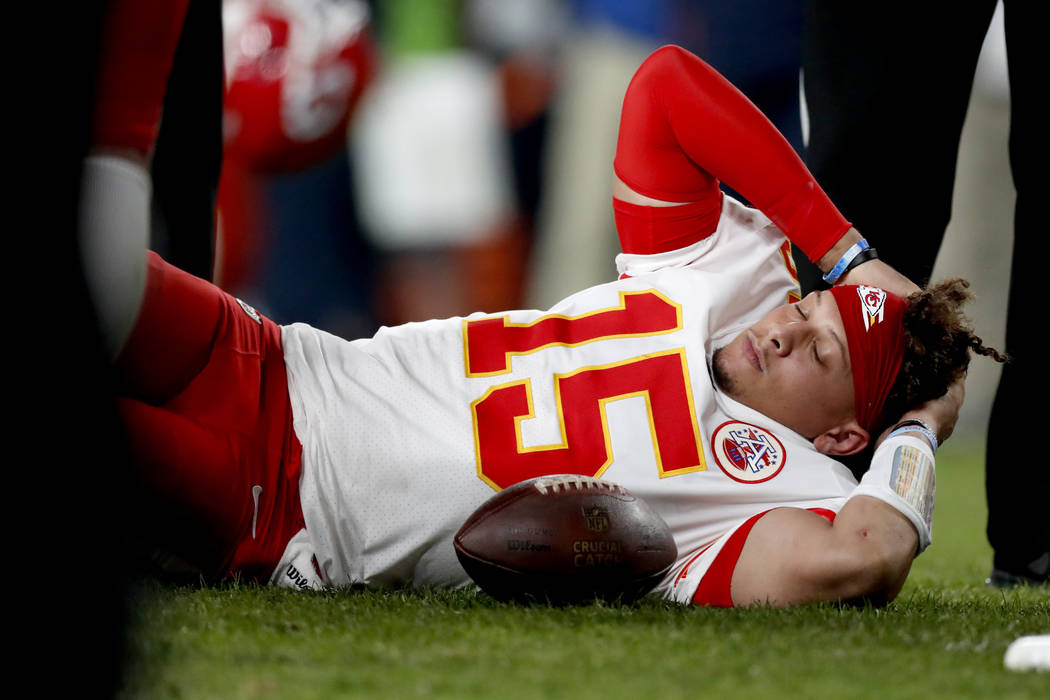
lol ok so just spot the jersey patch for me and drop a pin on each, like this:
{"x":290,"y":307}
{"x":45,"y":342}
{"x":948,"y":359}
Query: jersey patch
{"x":250,"y":311}
{"x":747,"y":453}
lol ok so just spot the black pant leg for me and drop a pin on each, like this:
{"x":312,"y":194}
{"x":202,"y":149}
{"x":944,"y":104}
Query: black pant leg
{"x":1018,"y":487}
{"x":188,"y":156}
{"x":887,"y":95}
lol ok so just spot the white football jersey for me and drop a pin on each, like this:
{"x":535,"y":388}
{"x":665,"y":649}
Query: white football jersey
{"x":404,"y":434}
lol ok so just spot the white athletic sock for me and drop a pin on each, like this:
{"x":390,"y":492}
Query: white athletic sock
{"x":114,"y":237}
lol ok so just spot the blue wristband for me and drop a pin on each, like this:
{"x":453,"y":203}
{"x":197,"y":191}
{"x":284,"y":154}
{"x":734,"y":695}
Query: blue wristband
{"x":914,"y":425}
{"x":840,"y":267}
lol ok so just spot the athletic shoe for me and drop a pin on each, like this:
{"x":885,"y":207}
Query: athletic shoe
{"x":1035,"y":573}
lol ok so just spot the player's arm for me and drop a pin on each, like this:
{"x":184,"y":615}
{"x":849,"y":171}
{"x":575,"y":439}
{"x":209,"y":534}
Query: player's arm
{"x":874,"y":273}
{"x":795,"y":556}
{"x":684,"y":128}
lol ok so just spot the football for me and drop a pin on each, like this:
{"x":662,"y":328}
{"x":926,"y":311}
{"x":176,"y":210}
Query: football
{"x":565,"y":539}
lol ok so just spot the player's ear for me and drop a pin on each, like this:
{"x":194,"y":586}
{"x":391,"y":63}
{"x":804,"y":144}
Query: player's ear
{"x":844,"y":439}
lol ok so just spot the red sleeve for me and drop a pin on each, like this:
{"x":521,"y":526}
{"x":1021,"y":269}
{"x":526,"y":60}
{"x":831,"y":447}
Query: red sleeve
{"x":684,"y":128}
{"x":137,"y":51}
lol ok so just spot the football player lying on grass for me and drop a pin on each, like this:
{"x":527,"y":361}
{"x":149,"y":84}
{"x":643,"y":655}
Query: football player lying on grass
{"x":698,"y":380}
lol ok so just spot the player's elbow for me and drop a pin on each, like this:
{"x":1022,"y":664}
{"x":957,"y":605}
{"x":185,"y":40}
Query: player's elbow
{"x":871,"y":569}
{"x":668,"y":60}
{"x":873,"y":546}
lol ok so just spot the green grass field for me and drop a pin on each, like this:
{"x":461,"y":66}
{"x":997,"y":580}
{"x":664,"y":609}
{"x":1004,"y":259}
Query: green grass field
{"x":943,"y":637}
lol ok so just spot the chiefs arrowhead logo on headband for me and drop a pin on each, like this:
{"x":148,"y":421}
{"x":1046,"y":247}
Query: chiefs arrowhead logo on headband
{"x":874,"y":323}
{"x":872,"y":304}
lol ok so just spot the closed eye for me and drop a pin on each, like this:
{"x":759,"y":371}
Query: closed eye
{"x":802,"y":313}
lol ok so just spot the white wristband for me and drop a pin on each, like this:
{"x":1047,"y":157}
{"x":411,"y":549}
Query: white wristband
{"x":902,"y":475}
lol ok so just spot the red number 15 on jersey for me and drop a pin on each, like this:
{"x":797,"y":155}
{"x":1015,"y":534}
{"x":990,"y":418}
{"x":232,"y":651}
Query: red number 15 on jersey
{"x":581,"y":396}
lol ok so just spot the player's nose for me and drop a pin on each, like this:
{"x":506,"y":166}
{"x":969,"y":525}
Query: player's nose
{"x":784,"y":337}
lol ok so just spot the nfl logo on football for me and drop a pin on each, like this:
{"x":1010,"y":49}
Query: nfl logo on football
{"x":596,"y":518}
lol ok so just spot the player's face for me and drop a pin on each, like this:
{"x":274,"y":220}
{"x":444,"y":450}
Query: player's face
{"x":792,"y":366}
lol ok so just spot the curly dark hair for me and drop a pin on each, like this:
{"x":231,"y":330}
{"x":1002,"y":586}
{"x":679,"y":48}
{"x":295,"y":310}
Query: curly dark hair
{"x":938,"y":341}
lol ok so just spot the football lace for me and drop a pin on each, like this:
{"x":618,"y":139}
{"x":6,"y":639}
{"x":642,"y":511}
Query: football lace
{"x":553,"y":484}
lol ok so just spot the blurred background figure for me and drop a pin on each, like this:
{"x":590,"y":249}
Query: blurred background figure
{"x":480,"y":153}
{"x":288,"y":236}
{"x":431,"y":159}
{"x":295,"y":68}
{"x":445,"y":151}
{"x":887,"y":108}
{"x":427,"y":210}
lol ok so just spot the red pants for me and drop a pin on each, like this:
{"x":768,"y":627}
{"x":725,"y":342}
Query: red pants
{"x":204,"y":395}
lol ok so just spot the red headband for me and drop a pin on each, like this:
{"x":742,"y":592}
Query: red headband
{"x":874,"y":322}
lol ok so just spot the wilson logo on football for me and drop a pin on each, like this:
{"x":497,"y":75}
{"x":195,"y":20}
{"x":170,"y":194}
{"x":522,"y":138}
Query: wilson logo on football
{"x":872,"y":303}
{"x":747,"y":453}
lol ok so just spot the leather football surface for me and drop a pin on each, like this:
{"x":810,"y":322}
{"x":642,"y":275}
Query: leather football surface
{"x":565,"y":539}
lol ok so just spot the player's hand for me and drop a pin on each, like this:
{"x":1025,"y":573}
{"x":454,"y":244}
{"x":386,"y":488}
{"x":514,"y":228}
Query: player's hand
{"x":876,"y":273}
{"x":941,"y":413}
